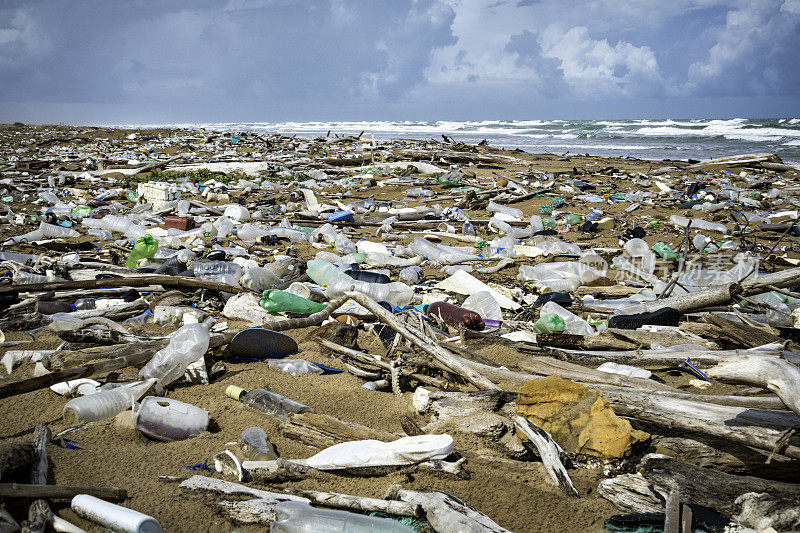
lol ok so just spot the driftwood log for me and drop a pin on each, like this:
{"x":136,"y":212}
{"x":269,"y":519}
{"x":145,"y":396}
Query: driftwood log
{"x":743,"y":498}
{"x":772,"y":373}
{"x":17,"y":490}
{"x":39,"y":512}
{"x":448,"y":514}
{"x":550,"y":453}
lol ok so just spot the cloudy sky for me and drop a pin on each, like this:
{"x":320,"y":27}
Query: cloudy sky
{"x":164,"y":61}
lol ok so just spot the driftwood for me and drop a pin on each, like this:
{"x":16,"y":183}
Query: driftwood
{"x":39,"y":512}
{"x":732,"y":458}
{"x":743,"y":159}
{"x":620,"y":339}
{"x":772,"y":373}
{"x":16,"y":458}
{"x":730,"y":495}
{"x":358,"y":504}
{"x":7,"y":522}
{"x":663,"y":356}
{"x":277,"y":471}
{"x":547,"y":366}
{"x":17,"y":490}
{"x":256,"y":511}
{"x":448,"y":514}
{"x":437,"y":352}
{"x":129,"y":281}
{"x":550,"y":453}
{"x":322,"y":431}
{"x":209,"y":484}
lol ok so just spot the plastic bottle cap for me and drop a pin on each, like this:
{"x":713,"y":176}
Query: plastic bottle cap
{"x":234,"y":392}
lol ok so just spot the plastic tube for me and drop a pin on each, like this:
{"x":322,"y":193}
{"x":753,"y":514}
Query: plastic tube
{"x":114,"y":517}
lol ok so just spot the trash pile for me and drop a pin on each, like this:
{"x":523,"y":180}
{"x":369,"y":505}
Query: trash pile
{"x":406,"y":335}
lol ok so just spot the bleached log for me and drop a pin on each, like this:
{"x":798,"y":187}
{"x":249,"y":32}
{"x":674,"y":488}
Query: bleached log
{"x":547,"y":366}
{"x":448,"y":514}
{"x":229,"y":488}
{"x":741,"y":159}
{"x":631,"y":493}
{"x":359,"y":504}
{"x":772,"y":373}
{"x":550,"y":453}
{"x":277,"y":471}
{"x":663,"y":356}
{"x":323,"y":431}
{"x":256,"y":511}
{"x":7,"y":522}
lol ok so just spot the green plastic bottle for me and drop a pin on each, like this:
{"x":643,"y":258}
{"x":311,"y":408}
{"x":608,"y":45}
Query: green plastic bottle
{"x":549,"y":222}
{"x":571,"y":218}
{"x":549,"y":323}
{"x":665,"y":250}
{"x":145,"y":248}
{"x":275,"y":301}
{"x":82,"y":210}
{"x":448,"y":183}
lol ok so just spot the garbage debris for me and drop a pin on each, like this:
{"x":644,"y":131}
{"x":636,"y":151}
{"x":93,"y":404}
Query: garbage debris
{"x":403,"y":314}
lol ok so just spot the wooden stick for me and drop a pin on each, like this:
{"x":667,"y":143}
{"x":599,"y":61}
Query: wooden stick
{"x":17,"y":490}
{"x":672,"y":522}
{"x":448,"y":514}
{"x":359,"y":504}
{"x":549,"y":452}
{"x":131,"y":281}
{"x":434,"y":350}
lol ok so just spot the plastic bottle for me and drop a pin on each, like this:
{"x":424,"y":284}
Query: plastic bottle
{"x":574,"y":325}
{"x":175,"y":264}
{"x":300,"y":517}
{"x":275,"y":301}
{"x":549,"y":323}
{"x":107,"y":403}
{"x":20,"y":277}
{"x":168,"y":419}
{"x":322,"y":271}
{"x":467,"y":228}
{"x":186,"y":346}
{"x":51,"y":307}
{"x":114,"y":517}
{"x":266,"y":401}
{"x":536,"y":223}
{"x":636,"y":247}
{"x":494,"y":207}
{"x":440,"y":254}
{"x":411,"y":274}
{"x":665,"y":251}
{"x":396,"y":293}
{"x":419,"y":192}
{"x":484,"y":304}
{"x":368,"y":276}
{"x":255,"y":444}
{"x":455,"y":315}
{"x":145,"y":248}
{"x":221,"y":271}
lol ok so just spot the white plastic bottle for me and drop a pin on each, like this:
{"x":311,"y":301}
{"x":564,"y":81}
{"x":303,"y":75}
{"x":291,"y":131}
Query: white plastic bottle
{"x":494,"y":207}
{"x":114,"y":517}
{"x":106,"y":404}
{"x":186,"y":346}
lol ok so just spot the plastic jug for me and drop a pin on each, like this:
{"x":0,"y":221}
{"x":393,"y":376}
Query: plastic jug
{"x":169,"y":419}
{"x":186,"y":346}
{"x":322,"y":271}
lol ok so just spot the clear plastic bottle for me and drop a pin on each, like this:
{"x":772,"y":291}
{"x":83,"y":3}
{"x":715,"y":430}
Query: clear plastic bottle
{"x":440,"y":254}
{"x":396,"y":293}
{"x":175,"y":264}
{"x":221,"y":271}
{"x":300,"y":517}
{"x":255,"y":444}
{"x":412,"y":274}
{"x":107,"y":403}
{"x":484,"y":304}
{"x":344,"y":245}
{"x":267,"y":402}
{"x":186,"y":346}
{"x":23,"y":278}
{"x":536,"y":223}
{"x":322,"y":271}
{"x":494,"y":207}
{"x":467,"y":228}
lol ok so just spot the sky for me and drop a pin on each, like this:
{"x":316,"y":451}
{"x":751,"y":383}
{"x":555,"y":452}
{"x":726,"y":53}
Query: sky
{"x":169,"y":61}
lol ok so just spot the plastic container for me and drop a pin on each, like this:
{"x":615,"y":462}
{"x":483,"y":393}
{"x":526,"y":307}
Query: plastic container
{"x":412,"y":275}
{"x":322,"y":271}
{"x":275,"y":302}
{"x":220,"y":271}
{"x":106,"y":404}
{"x":168,"y":419}
{"x":50,"y":307}
{"x":300,"y":517}
{"x":145,"y":248}
{"x":549,"y":323}
{"x":396,"y":293}
{"x":259,"y":279}
{"x":368,"y":276}
{"x":267,"y":402}
{"x":114,"y":517}
{"x":186,"y":345}
{"x":636,"y":247}
{"x":440,"y":254}
{"x":484,"y":304}
{"x":494,"y":207}
{"x":574,"y":325}
{"x":255,"y":444}
{"x":455,"y":316}
{"x":175,"y":264}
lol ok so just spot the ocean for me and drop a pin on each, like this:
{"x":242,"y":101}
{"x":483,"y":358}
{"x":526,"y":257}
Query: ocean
{"x":645,"y":139}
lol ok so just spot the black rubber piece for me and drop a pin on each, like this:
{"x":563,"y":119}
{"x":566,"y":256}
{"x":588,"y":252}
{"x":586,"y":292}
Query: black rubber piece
{"x":561,"y":298}
{"x":666,"y":316}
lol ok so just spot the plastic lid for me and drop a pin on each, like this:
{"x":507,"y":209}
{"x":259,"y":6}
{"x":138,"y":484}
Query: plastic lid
{"x":234,"y":392}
